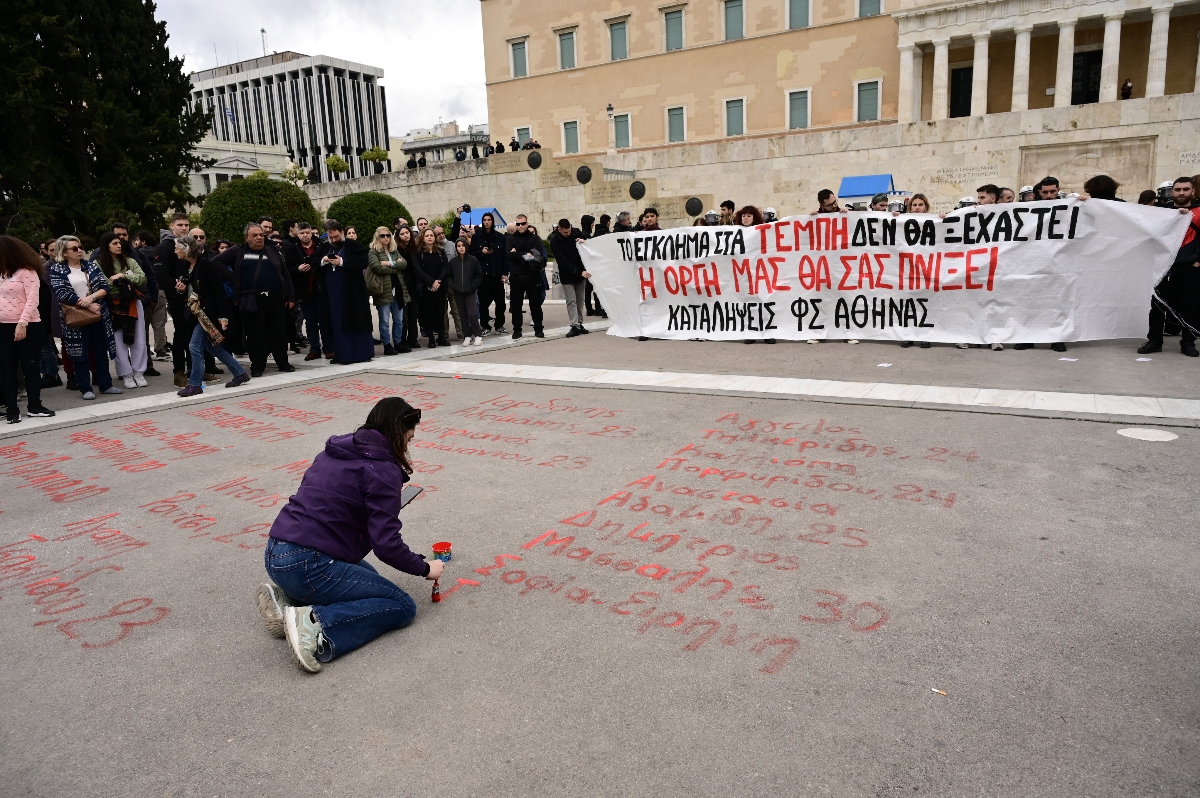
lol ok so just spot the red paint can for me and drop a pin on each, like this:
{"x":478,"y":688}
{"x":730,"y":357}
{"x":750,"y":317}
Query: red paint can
{"x":441,"y":551}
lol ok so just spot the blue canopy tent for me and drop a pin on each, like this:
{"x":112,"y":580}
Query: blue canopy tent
{"x":475,"y":217}
{"x":862,"y":188}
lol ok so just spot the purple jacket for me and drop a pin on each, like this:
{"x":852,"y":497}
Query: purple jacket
{"x":348,"y":502}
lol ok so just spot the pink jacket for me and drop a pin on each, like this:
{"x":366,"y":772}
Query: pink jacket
{"x":19,"y":298}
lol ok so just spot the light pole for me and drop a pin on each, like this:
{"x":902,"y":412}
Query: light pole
{"x":612,"y":132}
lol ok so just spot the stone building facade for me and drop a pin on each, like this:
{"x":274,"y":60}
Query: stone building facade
{"x":943,"y":96}
{"x":1140,"y":142}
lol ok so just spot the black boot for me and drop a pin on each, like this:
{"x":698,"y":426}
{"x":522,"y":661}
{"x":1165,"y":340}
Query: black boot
{"x":388,"y":349}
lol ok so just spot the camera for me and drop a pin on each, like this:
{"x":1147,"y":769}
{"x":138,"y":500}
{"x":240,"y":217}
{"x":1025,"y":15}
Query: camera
{"x":466,"y":208}
{"x":712,"y":219}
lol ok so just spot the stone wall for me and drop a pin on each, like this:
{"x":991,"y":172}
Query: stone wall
{"x":1140,"y":142}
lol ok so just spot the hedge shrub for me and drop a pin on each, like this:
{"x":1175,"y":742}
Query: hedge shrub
{"x":231,"y":205}
{"x":366,"y":211}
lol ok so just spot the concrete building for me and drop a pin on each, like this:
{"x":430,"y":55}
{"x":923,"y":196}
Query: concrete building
{"x":438,"y":143}
{"x":601,"y":75}
{"x":312,"y":106}
{"x":234,"y":160}
{"x":768,"y":101}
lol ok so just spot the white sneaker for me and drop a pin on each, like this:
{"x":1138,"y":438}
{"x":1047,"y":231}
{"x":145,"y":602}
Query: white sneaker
{"x":963,"y":346}
{"x":303,"y":636}
{"x":129,"y":383}
{"x":852,"y":341}
{"x":478,"y":340}
{"x":814,"y":340}
{"x":140,"y":380}
{"x":272,"y":602}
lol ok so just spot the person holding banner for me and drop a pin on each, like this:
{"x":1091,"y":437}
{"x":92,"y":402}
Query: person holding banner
{"x":750,"y":216}
{"x":917,"y":203}
{"x":1177,"y":295}
{"x":1046,"y":189}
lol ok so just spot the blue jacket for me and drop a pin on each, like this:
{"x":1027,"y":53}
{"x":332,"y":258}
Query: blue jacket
{"x":348,"y":502}
{"x":60,"y":283}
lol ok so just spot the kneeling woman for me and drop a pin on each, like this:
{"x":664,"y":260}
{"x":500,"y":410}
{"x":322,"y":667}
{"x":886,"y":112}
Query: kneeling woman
{"x":329,"y":600}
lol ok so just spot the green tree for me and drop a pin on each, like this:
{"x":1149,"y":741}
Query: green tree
{"x":231,"y":205}
{"x":96,"y":126}
{"x":367,"y":210}
{"x":294,"y":173}
{"x":337,"y":164}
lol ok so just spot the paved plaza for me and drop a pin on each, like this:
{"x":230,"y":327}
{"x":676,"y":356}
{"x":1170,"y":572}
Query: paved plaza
{"x":680,"y":568}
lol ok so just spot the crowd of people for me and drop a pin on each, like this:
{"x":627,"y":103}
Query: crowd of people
{"x":279,"y":292}
{"x":417,"y":160}
{"x":293,"y":287}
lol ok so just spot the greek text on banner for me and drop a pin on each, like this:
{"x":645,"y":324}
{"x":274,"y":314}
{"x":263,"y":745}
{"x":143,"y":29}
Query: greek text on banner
{"x":1034,"y":272}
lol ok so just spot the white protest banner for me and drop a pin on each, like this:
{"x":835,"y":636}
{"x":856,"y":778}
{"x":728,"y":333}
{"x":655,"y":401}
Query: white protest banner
{"x":1035,"y":272}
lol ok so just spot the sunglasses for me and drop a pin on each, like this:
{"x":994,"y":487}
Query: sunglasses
{"x":199,"y":238}
{"x":521,"y":224}
{"x":74,"y":249}
{"x":385,"y":235}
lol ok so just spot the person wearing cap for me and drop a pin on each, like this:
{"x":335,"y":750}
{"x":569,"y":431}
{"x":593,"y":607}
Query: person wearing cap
{"x":1026,"y":194}
{"x":1166,"y":198}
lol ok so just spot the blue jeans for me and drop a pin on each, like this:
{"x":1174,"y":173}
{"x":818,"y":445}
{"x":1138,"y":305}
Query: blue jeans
{"x":200,"y":342}
{"x":49,"y":356}
{"x":351,"y":601}
{"x":315,"y":323}
{"x":95,"y":349}
{"x":391,"y":323}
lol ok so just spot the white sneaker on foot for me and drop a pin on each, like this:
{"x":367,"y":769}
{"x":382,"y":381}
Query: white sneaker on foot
{"x":139,"y":380}
{"x":304,"y":636}
{"x":963,"y":346}
{"x":814,"y":340}
{"x":852,"y":341}
{"x":129,"y":383}
{"x":271,"y":602}
{"x":478,"y":340}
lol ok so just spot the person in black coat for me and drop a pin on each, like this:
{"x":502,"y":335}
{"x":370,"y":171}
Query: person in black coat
{"x":304,"y":269}
{"x":262,"y":287}
{"x":592,"y":300}
{"x":466,"y":275}
{"x":487,"y":246}
{"x":564,"y":243}
{"x":527,"y":267}
{"x":407,"y":248}
{"x":168,"y":272}
{"x":430,"y":268}
{"x":209,"y":313}
{"x":344,"y":292}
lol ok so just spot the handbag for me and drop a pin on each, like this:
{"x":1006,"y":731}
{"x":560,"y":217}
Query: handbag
{"x":248,"y":300}
{"x":75,"y":316}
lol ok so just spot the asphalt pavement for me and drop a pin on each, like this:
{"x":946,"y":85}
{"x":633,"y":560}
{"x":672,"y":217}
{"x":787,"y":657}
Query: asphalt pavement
{"x":651,"y":592}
